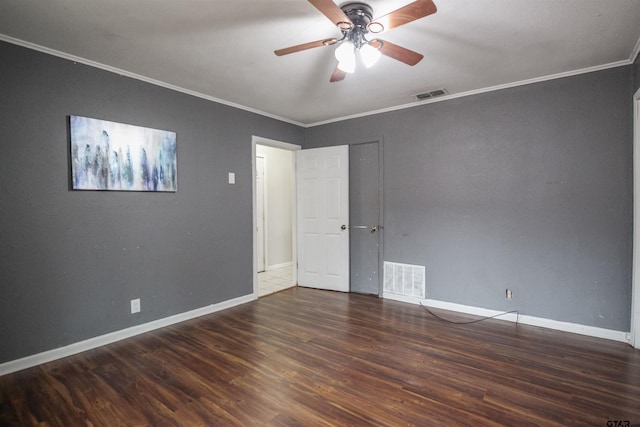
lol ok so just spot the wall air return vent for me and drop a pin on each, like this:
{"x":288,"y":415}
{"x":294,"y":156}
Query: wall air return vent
{"x":431,"y":94}
{"x":405,"y":279}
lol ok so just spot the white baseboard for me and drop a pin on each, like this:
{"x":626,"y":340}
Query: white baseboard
{"x":278,"y":266}
{"x":79,"y":347}
{"x":575,"y":328}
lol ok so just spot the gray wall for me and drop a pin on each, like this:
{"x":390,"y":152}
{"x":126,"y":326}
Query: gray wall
{"x":70,"y":261}
{"x":528,"y":188}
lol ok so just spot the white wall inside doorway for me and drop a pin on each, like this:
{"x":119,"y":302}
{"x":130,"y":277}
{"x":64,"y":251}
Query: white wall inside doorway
{"x":278,"y":199}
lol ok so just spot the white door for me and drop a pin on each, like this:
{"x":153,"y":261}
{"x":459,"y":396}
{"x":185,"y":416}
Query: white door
{"x":323,"y":215}
{"x":260,"y":212}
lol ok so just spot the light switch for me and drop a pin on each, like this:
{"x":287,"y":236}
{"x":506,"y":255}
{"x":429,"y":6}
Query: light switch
{"x":232,"y":178}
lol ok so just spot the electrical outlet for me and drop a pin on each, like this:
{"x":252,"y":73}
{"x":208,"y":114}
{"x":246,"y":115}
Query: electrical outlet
{"x":135,"y":305}
{"x":509,"y":294}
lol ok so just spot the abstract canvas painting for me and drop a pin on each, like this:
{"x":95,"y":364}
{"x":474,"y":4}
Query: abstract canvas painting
{"x":115,"y":156}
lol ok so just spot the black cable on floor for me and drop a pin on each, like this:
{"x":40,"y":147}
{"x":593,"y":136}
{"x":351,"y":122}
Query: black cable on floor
{"x":471,"y":321}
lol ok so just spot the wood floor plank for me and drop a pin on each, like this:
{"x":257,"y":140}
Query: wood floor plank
{"x":316,"y":358}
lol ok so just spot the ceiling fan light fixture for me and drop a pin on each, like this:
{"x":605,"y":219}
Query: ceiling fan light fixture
{"x":348,"y":66}
{"x":355,"y":21}
{"x":345,"y":51}
{"x":369,"y":55}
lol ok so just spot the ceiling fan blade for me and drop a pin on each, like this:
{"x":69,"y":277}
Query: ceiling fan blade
{"x":338,"y":75}
{"x":399,"y":53}
{"x":304,"y":46}
{"x":331,"y":10}
{"x":416,"y":10}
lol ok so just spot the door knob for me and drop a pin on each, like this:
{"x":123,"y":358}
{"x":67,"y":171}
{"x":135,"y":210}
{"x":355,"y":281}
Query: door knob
{"x":374,"y":228}
{"x":343,"y":227}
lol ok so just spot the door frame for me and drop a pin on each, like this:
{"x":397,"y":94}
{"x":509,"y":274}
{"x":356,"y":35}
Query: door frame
{"x":258,"y":140}
{"x":635,"y":282}
{"x":264,"y":220}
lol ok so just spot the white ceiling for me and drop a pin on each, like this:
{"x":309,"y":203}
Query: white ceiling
{"x":223,"y":49}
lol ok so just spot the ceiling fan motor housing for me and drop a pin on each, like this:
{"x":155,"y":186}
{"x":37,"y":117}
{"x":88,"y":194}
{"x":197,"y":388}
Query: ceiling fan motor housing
{"x":360,"y":15}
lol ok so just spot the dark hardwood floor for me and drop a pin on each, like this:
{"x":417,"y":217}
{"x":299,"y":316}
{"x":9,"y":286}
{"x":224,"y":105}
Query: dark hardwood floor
{"x":308,"y":357}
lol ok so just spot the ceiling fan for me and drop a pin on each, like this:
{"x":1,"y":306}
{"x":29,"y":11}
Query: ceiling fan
{"x":354,"y":20}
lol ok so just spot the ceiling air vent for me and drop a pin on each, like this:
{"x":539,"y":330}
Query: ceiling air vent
{"x":431,"y":94}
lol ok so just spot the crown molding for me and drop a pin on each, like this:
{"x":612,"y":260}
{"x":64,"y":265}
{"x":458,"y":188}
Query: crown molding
{"x":129,"y":74}
{"x":84,"y":61}
{"x":480,"y":91}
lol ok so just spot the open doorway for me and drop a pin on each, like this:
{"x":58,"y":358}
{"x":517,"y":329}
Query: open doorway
{"x":275,"y":257}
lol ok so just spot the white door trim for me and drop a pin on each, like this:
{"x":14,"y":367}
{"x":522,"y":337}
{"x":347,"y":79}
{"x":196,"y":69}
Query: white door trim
{"x":635,"y":286}
{"x":262,"y":263}
{"x":285,"y":146}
